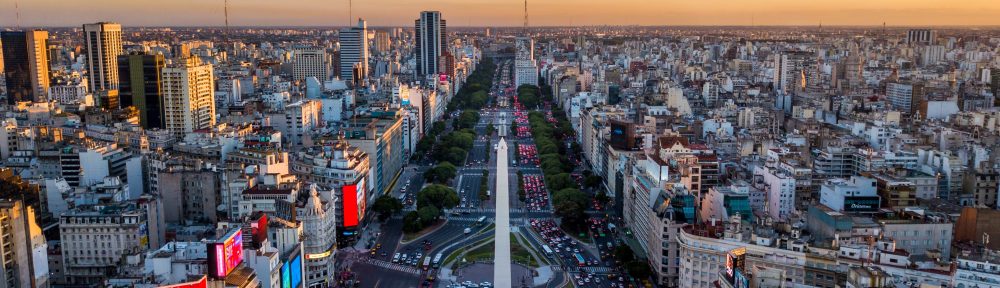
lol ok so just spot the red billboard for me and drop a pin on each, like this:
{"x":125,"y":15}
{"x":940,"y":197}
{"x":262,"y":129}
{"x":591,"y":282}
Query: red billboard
{"x":354,"y":203}
{"x":200,"y":283}
{"x":224,"y":255}
{"x":258,"y":230}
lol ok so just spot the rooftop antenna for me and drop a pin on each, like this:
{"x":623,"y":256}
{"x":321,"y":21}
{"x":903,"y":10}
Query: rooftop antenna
{"x":17,"y":10}
{"x":350,"y":12}
{"x":525,"y":15}
{"x":225,"y":11}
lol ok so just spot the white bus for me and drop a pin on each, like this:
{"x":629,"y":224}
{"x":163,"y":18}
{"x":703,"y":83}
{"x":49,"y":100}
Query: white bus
{"x":427,"y":263}
{"x":437,"y":260}
{"x":548,"y":251}
{"x":481,"y":220}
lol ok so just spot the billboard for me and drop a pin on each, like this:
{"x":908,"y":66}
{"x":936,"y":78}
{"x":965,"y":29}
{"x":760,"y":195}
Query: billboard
{"x":355,"y":202}
{"x":862,"y":203}
{"x":225,"y":254}
{"x":740,"y":281}
{"x":258,"y":230}
{"x":735,"y":260}
{"x":291,"y":273}
{"x":200,"y":283}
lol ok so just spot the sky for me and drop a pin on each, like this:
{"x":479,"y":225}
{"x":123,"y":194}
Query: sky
{"x":48,"y":13}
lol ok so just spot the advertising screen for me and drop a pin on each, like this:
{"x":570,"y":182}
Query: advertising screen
{"x":259,"y":230}
{"x":862,"y":203}
{"x":286,"y":276}
{"x":350,"y":195}
{"x":734,"y":261}
{"x":226,"y":254}
{"x":200,"y":283}
{"x":740,"y":280}
{"x":296,"y":271}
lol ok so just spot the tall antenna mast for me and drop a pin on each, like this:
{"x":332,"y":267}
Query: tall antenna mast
{"x":525,"y":14}
{"x":350,"y":12}
{"x":225,"y":12}
{"x":17,"y":10}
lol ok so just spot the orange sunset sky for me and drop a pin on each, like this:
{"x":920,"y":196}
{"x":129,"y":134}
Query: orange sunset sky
{"x":505,"y":12}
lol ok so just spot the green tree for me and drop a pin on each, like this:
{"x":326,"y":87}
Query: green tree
{"x":560,"y":181}
{"x":624,"y":254}
{"x":437,"y":195}
{"x":442,"y":173}
{"x":638,"y":270}
{"x":593,"y":181}
{"x":428,"y":215}
{"x":411,"y":222}
{"x":467,"y":119}
{"x":385,"y":206}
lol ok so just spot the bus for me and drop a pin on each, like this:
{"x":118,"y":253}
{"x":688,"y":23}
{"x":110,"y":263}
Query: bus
{"x":481,"y":220}
{"x":548,"y":251}
{"x":437,"y":260}
{"x":427,"y":263}
{"x":579,"y":260}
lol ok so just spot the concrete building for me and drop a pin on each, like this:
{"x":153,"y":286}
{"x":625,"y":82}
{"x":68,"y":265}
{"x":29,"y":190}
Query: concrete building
{"x":103,"y":43}
{"x":857,"y":194}
{"x":23,"y":249}
{"x":430,"y":42}
{"x":141,"y":86}
{"x":26,"y":65}
{"x":310,"y":62}
{"x":354,"y":53}
{"x":793,"y":71}
{"x":189,"y":194}
{"x":780,"y":189}
{"x":70,"y":93}
{"x":319,"y":226}
{"x":382,"y":140}
{"x":525,"y":69}
{"x":188,"y":97}
{"x":344,"y":170}
{"x":297,"y":121}
{"x":95,"y":239}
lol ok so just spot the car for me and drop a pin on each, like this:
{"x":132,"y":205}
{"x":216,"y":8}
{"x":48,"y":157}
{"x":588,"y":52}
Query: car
{"x":395,"y":258}
{"x":485,"y":284}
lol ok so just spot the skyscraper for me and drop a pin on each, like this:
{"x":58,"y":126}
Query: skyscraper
{"x":103,"y":41}
{"x":140,"y":86}
{"x":793,"y":71}
{"x":354,"y":52}
{"x":188,"y":96}
{"x":26,"y":65}
{"x":309,"y":62}
{"x":525,"y":70}
{"x":382,"y":41}
{"x":431,"y":41}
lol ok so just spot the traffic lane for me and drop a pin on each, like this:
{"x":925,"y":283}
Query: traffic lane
{"x":392,"y":231}
{"x":372,"y":276}
{"x":470,"y":189}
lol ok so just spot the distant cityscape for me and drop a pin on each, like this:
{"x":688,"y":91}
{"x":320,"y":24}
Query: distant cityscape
{"x":468,"y":157}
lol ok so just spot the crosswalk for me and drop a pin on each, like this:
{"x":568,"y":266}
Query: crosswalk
{"x":601,"y":270}
{"x":392,"y":266}
{"x":494,"y":210}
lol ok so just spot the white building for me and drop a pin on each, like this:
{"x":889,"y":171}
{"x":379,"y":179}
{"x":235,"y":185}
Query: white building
{"x":354,"y":53}
{"x":780,"y":190}
{"x":297,"y":120}
{"x":837,"y":193}
{"x":103,"y":41}
{"x":319,"y":228}
{"x":309,"y":62}
{"x":525,"y":69}
{"x":188,"y":100}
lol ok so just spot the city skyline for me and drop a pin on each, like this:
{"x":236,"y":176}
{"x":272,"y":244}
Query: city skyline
{"x":51,"y":13}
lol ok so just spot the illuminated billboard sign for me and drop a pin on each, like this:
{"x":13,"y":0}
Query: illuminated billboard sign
{"x":735,"y":260}
{"x":200,"y":283}
{"x":354,"y":201}
{"x":224,"y":255}
{"x":291,"y":273}
{"x":862,"y":203}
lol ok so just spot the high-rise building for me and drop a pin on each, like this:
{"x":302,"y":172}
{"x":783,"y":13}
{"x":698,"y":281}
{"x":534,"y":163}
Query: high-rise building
{"x":354,"y":53}
{"x":188,"y":97}
{"x":431,"y":41}
{"x":140,"y":86}
{"x":921,"y":36}
{"x":103,"y":41}
{"x":22,"y":247}
{"x":25,"y":55}
{"x":382,"y":41}
{"x":793,"y":71}
{"x":309,"y":62}
{"x":525,"y":70}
